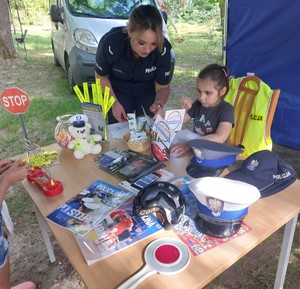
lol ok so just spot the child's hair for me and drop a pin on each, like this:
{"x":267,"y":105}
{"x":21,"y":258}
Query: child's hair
{"x":146,"y":17}
{"x":216,"y":73}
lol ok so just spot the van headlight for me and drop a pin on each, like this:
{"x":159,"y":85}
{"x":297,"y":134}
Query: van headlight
{"x":85,"y":40}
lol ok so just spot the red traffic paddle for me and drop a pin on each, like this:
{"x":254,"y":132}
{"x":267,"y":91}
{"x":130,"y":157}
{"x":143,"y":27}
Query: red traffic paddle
{"x":164,"y":256}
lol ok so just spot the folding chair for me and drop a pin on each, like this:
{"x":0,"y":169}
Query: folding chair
{"x":254,"y":105}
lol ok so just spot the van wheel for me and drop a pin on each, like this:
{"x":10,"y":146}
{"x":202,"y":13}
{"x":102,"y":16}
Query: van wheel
{"x":56,"y":62}
{"x":71,"y":82}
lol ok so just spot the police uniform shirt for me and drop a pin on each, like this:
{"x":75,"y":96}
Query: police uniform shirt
{"x":132,"y":78}
{"x":207,"y":119}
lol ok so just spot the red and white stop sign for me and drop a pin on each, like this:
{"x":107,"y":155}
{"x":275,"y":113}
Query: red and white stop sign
{"x":15,"y":100}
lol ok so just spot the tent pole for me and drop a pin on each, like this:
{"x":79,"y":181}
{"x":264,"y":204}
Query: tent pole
{"x":225,"y":26}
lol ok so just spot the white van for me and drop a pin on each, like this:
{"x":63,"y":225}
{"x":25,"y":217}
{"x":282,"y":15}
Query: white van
{"x":77,"y":28}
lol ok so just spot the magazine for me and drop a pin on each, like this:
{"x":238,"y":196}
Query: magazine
{"x":186,"y":229}
{"x":160,"y":175}
{"x":89,"y":207}
{"x":116,"y":232}
{"x":138,"y":167}
{"x":128,"y":165}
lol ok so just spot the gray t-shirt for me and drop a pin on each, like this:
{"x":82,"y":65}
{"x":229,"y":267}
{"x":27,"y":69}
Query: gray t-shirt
{"x":207,"y":119}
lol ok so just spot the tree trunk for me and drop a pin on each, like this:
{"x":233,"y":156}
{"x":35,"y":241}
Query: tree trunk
{"x":7,"y":49}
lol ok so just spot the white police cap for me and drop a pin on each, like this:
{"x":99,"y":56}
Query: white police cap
{"x":223,"y":204}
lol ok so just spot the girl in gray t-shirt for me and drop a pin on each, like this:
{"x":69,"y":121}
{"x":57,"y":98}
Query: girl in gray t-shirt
{"x":213,"y":117}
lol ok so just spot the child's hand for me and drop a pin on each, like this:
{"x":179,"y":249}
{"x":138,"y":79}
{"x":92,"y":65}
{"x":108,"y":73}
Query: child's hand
{"x":186,"y":102}
{"x":179,"y":149}
{"x":17,"y":172}
{"x":5,"y":165}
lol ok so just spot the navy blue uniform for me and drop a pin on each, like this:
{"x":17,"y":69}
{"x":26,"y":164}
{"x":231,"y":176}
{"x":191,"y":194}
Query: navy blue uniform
{"x":133,"y":80}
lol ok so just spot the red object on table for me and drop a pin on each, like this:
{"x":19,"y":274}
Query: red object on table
{"x":43,"y":181}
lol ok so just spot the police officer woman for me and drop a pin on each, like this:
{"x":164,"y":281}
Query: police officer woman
{"x":135,"y":62}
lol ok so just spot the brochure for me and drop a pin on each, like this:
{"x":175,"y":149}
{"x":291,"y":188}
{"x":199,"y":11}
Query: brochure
{"x":164,"y":132}
{"x":118,"y":130}
{"x":174,"y":118}
{"x":95,"y":116}
{"x":116,"y":232}
{"x":184,"y":135}
{"x":89,"y":207}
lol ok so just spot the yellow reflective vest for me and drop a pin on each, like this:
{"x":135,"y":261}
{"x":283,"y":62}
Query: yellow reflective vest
{"x":251,"y":103}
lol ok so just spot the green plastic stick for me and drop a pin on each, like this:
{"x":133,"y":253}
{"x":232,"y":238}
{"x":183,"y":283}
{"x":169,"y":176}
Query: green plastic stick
{"x":106,"y":97}
{"x":94,"y":93}
{"x":99,"y":91}
{"x":86,"y":92}
{"x":78,"y":93}
{"x":111,"y":101}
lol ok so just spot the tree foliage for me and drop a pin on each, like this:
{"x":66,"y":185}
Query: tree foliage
{"x":192,"y":11}
{"x":31,"y":12}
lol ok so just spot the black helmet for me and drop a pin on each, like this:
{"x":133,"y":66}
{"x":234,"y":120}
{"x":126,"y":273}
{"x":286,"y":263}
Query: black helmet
{"x":162,"y":197}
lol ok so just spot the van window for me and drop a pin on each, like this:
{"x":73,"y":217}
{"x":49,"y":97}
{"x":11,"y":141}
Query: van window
{"x":104,"y":8}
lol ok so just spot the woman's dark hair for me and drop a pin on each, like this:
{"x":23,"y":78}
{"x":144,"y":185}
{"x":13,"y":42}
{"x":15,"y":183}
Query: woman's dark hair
{"x":146,"y":17}
{"x":218,"y":74}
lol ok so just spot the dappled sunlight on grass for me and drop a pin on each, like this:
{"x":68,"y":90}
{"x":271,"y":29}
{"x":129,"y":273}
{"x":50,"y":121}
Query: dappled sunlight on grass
{"x":183,"y":75}
{"x":191,"y":29}
{"x":181,"y":71}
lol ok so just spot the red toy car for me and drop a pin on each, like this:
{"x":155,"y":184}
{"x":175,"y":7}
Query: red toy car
{"x":43,"y":181}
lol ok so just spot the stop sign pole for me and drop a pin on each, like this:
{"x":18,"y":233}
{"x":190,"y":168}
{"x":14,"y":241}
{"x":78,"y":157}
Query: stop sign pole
{"x":16,"y":101}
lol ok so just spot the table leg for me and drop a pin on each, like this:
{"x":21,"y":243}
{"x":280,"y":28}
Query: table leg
{"x":286,"y":247}
{"x":43,"y":228}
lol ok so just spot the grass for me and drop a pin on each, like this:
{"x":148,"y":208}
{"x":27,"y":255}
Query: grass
{"x":195,"y":46}
{"x":20,"y":204}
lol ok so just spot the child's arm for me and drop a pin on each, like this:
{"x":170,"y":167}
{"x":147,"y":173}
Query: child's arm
{"x":221,"y":134}
{"x":15,"y":173}
{"x":186,"y":103}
